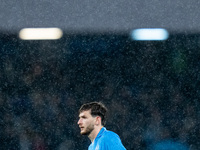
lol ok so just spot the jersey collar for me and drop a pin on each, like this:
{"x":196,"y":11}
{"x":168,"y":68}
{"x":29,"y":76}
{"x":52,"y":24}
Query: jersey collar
{"x":101,"y":132}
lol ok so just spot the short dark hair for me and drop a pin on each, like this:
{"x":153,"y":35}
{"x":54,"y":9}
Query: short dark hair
{"x":97,"y":109}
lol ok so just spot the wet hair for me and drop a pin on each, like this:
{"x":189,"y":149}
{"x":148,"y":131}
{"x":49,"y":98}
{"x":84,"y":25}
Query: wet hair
{"x":97,"y":109}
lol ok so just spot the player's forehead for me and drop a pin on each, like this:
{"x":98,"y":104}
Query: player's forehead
{"x":85,"y":113}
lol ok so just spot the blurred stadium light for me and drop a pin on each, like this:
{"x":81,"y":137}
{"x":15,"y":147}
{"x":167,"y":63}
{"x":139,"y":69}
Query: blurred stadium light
{"x":149,"y":34}
{"x":40,"y":33}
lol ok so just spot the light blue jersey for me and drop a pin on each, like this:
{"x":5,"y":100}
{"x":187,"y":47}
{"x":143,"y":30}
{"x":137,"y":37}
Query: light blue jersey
{"x":106,"y":140}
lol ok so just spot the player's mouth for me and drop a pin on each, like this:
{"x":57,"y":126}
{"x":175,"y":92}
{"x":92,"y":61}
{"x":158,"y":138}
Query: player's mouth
{"x":81,"y":128}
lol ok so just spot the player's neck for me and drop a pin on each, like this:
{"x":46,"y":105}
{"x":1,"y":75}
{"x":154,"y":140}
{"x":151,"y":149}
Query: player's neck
{"x":94,"y":133}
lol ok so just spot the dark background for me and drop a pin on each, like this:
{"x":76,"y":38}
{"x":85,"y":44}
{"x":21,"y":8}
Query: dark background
{"x":151,"y":89}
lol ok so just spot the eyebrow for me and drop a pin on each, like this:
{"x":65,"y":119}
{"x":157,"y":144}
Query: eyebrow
{"x":82,"y":116}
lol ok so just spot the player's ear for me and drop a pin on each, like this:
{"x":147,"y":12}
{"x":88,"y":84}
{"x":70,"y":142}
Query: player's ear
{"x":98,"y":120}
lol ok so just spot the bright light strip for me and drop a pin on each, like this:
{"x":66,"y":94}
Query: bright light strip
{"x":40,"y":33}
{"x":150,"y":34}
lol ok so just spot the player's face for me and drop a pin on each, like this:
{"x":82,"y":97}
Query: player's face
{"x":86,"y":122}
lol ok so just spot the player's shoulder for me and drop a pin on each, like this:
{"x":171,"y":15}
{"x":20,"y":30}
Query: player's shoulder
{"x":110,"y":135}
{"x":110,"y":140}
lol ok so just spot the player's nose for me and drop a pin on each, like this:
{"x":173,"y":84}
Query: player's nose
{"x":79,"y":121}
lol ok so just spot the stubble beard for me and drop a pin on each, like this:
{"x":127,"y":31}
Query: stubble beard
{"x":88,"y":130}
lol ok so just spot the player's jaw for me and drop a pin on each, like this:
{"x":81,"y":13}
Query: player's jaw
{"x":86,"y":130}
